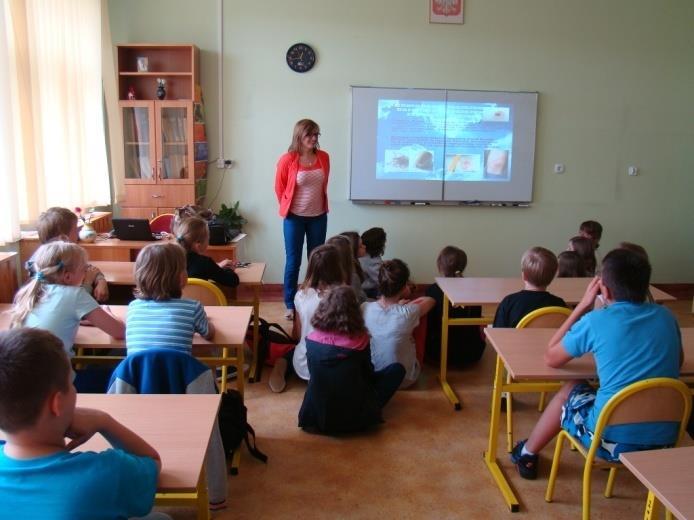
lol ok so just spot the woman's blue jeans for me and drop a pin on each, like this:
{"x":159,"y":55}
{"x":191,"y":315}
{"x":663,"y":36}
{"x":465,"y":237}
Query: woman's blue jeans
{"x":295,"y":227}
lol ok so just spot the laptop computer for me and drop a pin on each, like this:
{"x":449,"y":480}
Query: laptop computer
{"x":133,"y":229}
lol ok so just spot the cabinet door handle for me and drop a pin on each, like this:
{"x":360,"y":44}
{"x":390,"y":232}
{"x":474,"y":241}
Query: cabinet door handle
{"x":155,"y":196}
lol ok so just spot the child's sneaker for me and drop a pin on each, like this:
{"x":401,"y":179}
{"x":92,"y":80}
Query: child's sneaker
{"x":526,"y":464}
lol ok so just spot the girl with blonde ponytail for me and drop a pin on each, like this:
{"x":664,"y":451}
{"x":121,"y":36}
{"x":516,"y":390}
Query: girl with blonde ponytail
{"x":54,"y":300}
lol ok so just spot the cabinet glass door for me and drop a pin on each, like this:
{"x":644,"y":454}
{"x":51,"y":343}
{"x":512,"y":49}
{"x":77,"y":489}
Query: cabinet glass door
{"x":138,"y":142}
{"x":176,"y":141}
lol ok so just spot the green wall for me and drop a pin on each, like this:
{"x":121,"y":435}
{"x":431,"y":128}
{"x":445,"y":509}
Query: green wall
{"x":616,"y":83}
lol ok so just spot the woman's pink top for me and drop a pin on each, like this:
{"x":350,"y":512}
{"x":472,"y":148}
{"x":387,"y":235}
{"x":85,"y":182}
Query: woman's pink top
{"x":287,"y":182}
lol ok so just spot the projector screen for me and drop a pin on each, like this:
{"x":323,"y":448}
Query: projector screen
{"x":442,"y":146}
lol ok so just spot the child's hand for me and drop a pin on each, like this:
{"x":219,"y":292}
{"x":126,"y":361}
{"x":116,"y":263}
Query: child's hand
{"x":90,"y":275}
{"x":101,"y":291}
{"x":226,"y":264}
{"x":85,"y":423}
{"x":590,"y":295}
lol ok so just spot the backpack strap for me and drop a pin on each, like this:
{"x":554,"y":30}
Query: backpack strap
{"x":250,"y":432}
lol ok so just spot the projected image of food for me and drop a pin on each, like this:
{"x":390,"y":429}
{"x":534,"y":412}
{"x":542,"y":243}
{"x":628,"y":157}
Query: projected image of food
{"x":396,"y":160}
{"x":425,"y":161}
{"x":408,"y":159}
{"x":496,"y":163}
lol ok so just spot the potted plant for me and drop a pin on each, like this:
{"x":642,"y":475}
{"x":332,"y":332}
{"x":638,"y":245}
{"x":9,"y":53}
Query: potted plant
{"x":232,"y":219}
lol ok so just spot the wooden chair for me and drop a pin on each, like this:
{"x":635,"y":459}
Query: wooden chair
{"x":205,"y":292}
{"x":161,"y":223}
{"x":650,"y":400}
{"x":547,"y":318}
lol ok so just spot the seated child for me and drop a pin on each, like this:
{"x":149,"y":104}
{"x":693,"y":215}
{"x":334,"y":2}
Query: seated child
{"x":324,"y":272}
{"x":344,"y":393}
{"x":54,"y":298}
{"x":159,"y":317}
{"x":593,"y":230}
{"x":570,"y":265}
{"x":639,"y":250}
{"x":465,"y":344}
{"x":61,"y":224}
{"x":584,"y":248}
{"x":631,"y":340}
{"x":392,"y":318}
{"x":374,"y":241}
{"x":40,"y":475}
{"x":357,"y":273}
{"x":193,"y":235}
{"x":538,"y":267}
{"x":344,"y":247}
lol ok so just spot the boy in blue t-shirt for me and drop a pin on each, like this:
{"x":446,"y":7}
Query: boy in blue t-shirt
{"x":40,"y":476}
{"x":631,"y":340}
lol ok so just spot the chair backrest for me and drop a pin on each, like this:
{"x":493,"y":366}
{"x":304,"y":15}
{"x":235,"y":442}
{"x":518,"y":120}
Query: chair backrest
{"x":161,"y":223}
{"x":651,"y":400}
{"x":544,"y":317}
{"x":205,"y":292}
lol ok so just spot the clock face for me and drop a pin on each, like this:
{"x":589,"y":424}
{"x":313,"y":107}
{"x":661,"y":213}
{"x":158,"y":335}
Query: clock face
{"x":301,"y":57}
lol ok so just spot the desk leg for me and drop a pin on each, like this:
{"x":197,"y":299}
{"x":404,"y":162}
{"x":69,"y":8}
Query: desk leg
{"x":240,"y":376}
{"x":203,"y":500}
{"x":253,"y":373}
{"x":490,"y":454}
{"x":225,"y":369}
{"x":652,"y":507}
{"x":443,"y":375}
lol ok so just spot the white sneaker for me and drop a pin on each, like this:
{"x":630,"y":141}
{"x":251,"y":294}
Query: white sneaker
{"x":277,"y":380}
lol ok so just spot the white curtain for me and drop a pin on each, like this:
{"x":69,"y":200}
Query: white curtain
{"x":55,"y":150}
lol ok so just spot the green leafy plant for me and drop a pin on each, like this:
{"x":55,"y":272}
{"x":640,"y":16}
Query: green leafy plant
{"x":231,"y":216}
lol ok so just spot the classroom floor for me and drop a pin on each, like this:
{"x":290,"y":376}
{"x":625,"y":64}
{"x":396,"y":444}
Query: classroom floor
{"x":424,"y":462}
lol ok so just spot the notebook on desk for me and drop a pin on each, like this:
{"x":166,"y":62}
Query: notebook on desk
{"x":133,"y":229}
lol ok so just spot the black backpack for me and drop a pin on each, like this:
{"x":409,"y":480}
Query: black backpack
{"x":234,"y":427}
{"x":268,"y":333}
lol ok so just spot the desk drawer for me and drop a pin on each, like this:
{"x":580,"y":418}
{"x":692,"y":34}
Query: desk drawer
{"x":158,"y":195}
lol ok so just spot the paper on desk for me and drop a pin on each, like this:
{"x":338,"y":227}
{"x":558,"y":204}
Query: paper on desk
{"x":239,"y":237}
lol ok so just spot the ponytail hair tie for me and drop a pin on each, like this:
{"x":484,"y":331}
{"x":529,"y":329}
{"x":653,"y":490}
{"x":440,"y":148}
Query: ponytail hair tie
{"x":180,"y":238}
{"x":29,"y":266}
{"x":40,"y":276}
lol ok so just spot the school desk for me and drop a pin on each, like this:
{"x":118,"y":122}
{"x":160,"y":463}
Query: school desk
{"x":521,"y":351}
{"x":8,"y":276}
{"x":668,"y":476}
{"x":123,"y":273}
{"x":178,"y":427}
{"x":490,"y":291}
{"x":230,"y":325}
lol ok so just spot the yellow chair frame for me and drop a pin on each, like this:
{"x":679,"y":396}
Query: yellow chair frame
{"x":640,"y":396}
{"x":204,"y":286}
{"x":547,"y":317}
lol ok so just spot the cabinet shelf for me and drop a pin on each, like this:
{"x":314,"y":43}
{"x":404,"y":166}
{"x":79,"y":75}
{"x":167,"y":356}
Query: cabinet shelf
{"x":157,"y":74}
{"x":137,"y":143}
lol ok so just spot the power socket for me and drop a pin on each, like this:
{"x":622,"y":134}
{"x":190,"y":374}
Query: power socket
{"x":225,"y":164}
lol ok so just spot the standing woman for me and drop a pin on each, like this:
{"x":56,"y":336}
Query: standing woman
{"x":301,"y":186}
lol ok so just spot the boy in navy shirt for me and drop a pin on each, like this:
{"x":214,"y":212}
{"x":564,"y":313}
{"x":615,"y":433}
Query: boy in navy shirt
{"x":631,"y":340}
{"x":40,"y":476}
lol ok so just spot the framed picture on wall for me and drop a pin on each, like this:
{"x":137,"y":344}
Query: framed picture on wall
{"x":446,"y":11}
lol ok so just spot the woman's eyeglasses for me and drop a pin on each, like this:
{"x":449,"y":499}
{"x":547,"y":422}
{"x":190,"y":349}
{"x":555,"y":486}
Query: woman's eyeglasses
{"x":313,"y":134}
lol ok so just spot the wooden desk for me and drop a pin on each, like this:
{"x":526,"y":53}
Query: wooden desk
{"x":521,"y":351}
{"x":8,"y":276}
{"x":668,"y":476}
{"x":490,"y":291}
{"x":230,"y":325}
{"x":123,"y":273}
{"x":117,"y":250}
{"x":177,"y":426}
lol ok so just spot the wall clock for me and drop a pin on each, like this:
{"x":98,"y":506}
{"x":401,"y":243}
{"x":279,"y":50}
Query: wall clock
{"x":301,"y":57}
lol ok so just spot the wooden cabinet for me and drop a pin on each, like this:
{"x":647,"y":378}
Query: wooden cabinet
{"x":164,"y":146}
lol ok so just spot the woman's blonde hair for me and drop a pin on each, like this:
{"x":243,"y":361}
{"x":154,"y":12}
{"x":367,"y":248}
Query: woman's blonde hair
{"x":158,"y":269}
{"x":303,"y":128}
{"x":190,"y":230}
{"x":48,"y":265}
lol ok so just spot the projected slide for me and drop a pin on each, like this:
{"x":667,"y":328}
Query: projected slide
{"x":442,"y":145}
{"x":433,"y":140}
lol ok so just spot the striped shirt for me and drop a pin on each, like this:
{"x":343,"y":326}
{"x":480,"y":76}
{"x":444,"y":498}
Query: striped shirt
{"x":164,"y":324}
{"x":308,"y":194}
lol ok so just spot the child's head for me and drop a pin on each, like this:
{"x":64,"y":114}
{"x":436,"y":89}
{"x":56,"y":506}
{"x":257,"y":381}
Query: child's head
{"x":355,"y":239}
{"x":160,"y":272}
{"x":451,"y":262}
{"x":393,"y":277}
{"x":324,"y":268}
{"x":627,"y":275}
{"x":374,"y":241}
{"x":539,"y":265}
{"x":593,"y":230}
{"x":193,"y":234}
{"x":57,"y":262}
{"x":634,"y":248}
{"x":34,"y":373}
{"x":339,"y":312}
{"x":57,"y":223}
{"x":586,"y":250}
{"x":570,"y":265}
{"x":344,"y":248}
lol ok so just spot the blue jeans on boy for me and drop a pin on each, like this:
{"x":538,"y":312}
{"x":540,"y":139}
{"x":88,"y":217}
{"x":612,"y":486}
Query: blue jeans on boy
{"x":295,"y":227}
